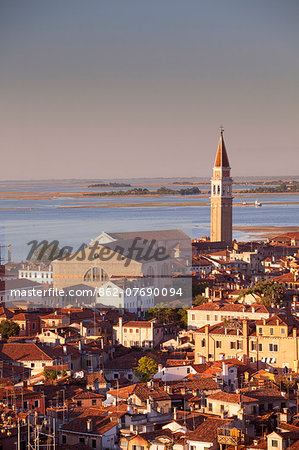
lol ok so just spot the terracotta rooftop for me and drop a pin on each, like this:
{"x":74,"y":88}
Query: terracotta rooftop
{"x":156,"y":394}
{"x":24,"y":352}
{"x":154,"y":435}
{"x":234,"y":307}
{"x":85,"y":395}
{"x":138,"y":324}
{"x":202,"y":383}
{"x":221,"y":328}
{"x":290,"y":277}
{"x":280,"y":319}
{"x":96,"y":376}
{"x":231,"y":398}
{"x":264,"y":394}
{"x":25,"y":316}
{"x":207,"y":431}
{"x":100,"y":425}
{"x":126,"y":391}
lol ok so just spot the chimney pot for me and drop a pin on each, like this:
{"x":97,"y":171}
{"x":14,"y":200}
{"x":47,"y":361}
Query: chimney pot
{"x":174,"y":413}
{"x":89,"y":425}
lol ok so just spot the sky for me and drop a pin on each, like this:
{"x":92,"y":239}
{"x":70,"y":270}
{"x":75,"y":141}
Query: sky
{"x":137,"y":88}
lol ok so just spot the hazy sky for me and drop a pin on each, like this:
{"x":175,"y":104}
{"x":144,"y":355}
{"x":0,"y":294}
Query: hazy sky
{"x":133,"y":88}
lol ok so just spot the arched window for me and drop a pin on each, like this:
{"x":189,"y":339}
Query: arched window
{"x":96,"y":274}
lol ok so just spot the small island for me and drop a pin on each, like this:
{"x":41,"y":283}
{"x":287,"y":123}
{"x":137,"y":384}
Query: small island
{"x":109,"y":185}
{"x":143,"y":191}
{"x":292,"y":186}
{"x":182,"y":183}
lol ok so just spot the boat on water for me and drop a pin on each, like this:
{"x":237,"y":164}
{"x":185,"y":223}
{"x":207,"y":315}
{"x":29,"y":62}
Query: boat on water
{"x":257,"y":204}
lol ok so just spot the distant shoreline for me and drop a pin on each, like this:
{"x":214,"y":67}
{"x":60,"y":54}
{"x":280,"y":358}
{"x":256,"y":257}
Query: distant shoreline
{"x":264,"y":232}
{"x":83,"y":194}
{"x":140,"y":205}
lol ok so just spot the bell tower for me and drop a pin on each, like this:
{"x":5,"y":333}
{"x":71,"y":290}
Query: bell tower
{"x":221,"y":197}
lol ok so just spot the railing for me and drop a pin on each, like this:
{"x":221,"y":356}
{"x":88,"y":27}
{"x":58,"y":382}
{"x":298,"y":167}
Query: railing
{"x":230,"y":436}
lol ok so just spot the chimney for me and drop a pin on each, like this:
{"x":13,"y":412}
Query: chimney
{"x":202,"y":359}
{"x":159,"y":367}
{"x":148,"y":406}
{"x":174,"y":413}
{"x":152,"y":328}
{"x":207,"y":292}
{"x":64,"y":348}
{"x":89,"y":425}
{"x":294,"y":332}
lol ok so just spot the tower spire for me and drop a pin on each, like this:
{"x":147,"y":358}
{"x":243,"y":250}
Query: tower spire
{"x":221,"y":156}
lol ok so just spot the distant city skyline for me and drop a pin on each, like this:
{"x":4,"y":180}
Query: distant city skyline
{"x":135,"y":89}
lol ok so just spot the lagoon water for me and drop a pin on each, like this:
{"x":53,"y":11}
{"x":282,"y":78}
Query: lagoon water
{"x":53,"y":218}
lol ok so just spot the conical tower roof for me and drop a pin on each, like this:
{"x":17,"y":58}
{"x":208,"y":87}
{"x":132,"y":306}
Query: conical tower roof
{"x":221,"y":157}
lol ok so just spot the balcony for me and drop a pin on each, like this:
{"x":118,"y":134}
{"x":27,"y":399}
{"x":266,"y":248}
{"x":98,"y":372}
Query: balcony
{"x":230,"y":436}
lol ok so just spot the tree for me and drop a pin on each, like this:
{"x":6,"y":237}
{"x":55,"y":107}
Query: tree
{"x":271,"y":292}
{"x":199,"y":288}
{"x":9,"y":328}
{"x":166,"y":314}
{"x":182,"y":313}
{"x":147,"y":367}
{"x":199,"y":300}
{"x":50,"y":374}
